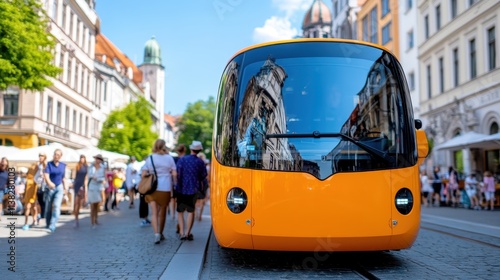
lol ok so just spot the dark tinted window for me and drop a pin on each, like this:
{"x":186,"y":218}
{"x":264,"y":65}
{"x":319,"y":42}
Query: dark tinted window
{"x":317,"y":107}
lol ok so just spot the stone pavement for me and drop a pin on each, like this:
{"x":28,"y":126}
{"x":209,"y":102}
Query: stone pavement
{"x":117,"y":249}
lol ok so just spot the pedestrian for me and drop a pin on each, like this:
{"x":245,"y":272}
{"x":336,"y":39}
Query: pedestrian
{"x":80,"y":186}
{"x":56,"y":185}
{"x":202,"y":196}
{"x":163,"y":166}
{"x":437,"y":185}
{"x":118,"y":178}
{"x":97,"y":179}
{"x":41,"y":186}
{"x":4,"y":178}
{"x":489,"y":190}
{"x":181,"y":151}
{"x":452,"y":188}
{"x":30,"y":197}
{"x":132,"y":177}
{"x":191,"y":172}
{"x":110,"y":173}
{"x":427,"y":190}
{"x":471,"y":185}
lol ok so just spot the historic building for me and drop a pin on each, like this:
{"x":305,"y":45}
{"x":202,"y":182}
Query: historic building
{"x":460,"y":79}
{"x":62,"y":112}
{"x":119,"y":81}
{"x":317,"y":21}
{"x":345,"y":14}
{"x":378,"y":23}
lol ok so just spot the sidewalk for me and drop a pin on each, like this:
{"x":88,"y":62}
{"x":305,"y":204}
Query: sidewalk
{"x":118,"y":248}
{"x":482,"y":222}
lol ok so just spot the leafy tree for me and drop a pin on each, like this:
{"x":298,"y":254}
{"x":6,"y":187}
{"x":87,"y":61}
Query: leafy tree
{"x":197,"y":124}
{"x":128,"y":130}
{"x":25,"y":46}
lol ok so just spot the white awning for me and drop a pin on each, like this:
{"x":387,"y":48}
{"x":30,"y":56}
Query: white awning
{"x":471,"y":139}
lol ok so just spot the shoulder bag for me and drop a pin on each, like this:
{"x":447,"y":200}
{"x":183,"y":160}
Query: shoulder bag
{"x":149,"y":183}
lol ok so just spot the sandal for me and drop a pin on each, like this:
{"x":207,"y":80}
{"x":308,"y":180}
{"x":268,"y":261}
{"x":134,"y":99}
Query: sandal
{"x":183,"y":237}
{"x":190,"y":237}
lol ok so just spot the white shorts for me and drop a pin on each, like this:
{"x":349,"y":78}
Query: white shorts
{"x":471,"y":193}
{"x":489,"y":195}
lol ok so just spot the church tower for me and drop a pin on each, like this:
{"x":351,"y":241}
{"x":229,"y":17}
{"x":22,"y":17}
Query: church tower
{"x":154,"y":82}
{"x":317,"y":21}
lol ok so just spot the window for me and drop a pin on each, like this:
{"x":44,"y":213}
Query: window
{"x":71,"y":33}
{"x":49,"y":109}
{"x":494,"y":128}
{"x":409,"y":4}
{"x":429,"y":81}
{"x":64,"y":16}
{"x":454,"y":11}
{"x":365,"y":29}
{"x":75,"y":78}
{"x":66,"y":118}
{"x":386,"y":33}
{"x":61,"y":63}
{"x":441,"y":75}
{"x":411,"y":81}
{"x":385,"y":7}
{"x":491,"y":49}
{"x":426,"y":26}
{"x":456,"y":80}
{"x":77,"y":37}
{"x":374,"y":26}
{"x":410,"y":40}
{"x":54,"y":10}
{"x":438,"y":17}
{"x":59,"y":113}
{"x":472,"y":58}
{"x":86,"y":126}
{"x":74,"y":121}
{"x":11,"y":102}
{"x":104,"y":93}
{"x":80,"y":128}
{"x":471,"y":2}
{"x":69,"y":70}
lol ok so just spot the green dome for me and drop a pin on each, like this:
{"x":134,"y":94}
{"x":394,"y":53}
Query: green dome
{"x":152,"y":52}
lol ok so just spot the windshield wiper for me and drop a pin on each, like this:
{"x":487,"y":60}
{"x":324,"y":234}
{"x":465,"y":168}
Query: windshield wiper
{"x":316,"y":134}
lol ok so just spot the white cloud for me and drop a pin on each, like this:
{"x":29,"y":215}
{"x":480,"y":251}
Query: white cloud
{"x":280,"y":27}
{"x":290,"y":7}
{"x":275,"y":28}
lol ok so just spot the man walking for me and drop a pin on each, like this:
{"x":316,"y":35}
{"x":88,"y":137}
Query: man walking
{"x":190,"y":174}
{"x":54,"y":176}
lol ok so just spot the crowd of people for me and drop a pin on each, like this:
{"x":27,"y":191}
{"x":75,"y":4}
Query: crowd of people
{"x":182,"y":178}
{"x":443,"y":189}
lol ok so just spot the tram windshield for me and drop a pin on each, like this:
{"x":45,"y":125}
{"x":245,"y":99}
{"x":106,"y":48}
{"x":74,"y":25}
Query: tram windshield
{"x":316,"y":107}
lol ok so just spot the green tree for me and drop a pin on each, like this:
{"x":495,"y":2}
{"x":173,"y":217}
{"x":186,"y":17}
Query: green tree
{"x":25,"y":46}
{"x":128,"y":130}
{"x":197,"y":124}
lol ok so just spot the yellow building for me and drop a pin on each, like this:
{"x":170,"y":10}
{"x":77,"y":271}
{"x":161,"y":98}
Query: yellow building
{"x":378,"y":23}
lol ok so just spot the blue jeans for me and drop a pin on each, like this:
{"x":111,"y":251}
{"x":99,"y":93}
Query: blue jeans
{"x":53,"y":201}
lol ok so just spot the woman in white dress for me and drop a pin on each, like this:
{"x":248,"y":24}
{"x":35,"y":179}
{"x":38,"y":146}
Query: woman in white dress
{"x":166,"y":174}
{"x":95,"y":187}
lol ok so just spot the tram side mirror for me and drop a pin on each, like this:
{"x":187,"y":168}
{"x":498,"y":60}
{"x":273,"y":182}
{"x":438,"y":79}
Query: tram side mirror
{"x":422,"y":146}
{"x":418,"y":124}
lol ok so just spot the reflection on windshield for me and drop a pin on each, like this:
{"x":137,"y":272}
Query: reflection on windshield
{"x":270,"y":108}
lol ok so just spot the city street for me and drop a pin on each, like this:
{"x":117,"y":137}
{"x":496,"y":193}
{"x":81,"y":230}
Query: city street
{"x":117,"y":249}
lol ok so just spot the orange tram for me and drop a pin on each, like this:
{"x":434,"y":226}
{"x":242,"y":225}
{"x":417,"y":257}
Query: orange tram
{"x":315,"y":148}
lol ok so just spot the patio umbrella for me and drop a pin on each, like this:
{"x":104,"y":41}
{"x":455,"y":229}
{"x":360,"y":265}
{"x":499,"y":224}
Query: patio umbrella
{"x":31,"y":154}
{"x":112,"y":157}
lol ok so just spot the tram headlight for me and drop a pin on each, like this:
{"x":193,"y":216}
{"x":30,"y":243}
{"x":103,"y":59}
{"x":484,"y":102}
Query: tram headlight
{"x":236,"y":200}
{"x":404,"y":201}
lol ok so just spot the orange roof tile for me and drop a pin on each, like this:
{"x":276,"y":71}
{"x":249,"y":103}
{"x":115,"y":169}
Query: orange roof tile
{"x":104,"y":46}
{"x":170,"y":119}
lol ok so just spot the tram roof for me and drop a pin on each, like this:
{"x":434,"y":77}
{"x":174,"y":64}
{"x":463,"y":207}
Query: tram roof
{"x":301,"y":40}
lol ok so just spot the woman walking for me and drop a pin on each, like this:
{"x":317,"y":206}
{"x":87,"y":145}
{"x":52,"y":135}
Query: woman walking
{"x":29,"y":198}
{"x":489,"y":190}
{"x":80,"y":187}
{"x":95,"y":188}
{"x":163,"y":165}
{"x":41,"y":186}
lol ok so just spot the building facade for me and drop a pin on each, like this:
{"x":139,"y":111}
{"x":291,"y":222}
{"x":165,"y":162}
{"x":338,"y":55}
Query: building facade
{"x":62,"y":112}
{"x":378,"y":23}
{"x":317,"y":21}
{"x":345,"y":15}
{"x":460,"y":78}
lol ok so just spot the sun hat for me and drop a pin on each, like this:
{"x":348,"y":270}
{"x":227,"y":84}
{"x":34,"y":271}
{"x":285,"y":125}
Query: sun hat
{"x":99,"y":156}
{"x":196,"y":146}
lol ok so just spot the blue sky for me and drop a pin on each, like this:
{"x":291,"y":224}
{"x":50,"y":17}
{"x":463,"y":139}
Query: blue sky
{"x":197,"y":38}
